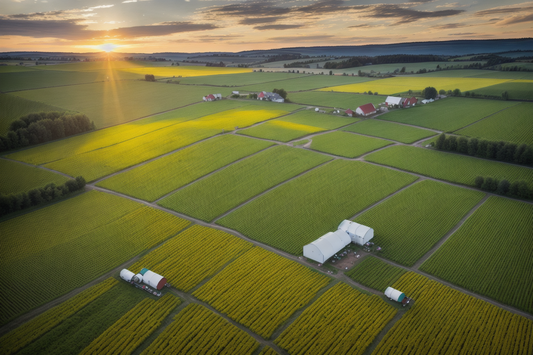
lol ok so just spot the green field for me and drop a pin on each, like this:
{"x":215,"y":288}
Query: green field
{"x":90,"y":141}
{"x":513,"y":125}
{"x":228,"y":188}
{"x":307,"y":82}
{"x":297,"y":125}
{"x":517,"y":90}
{"x":14,"y":107}
{"x":15,"y":68}
{"x":389,"y":130}
{"x":409,"y":223}
{"x":375,"y":273}
{"x":302,"y":210}
{"x":40,"y":78}
{"x":330,"y":99}
{"x":114,"y":102}
{"x":479,"y":73}
{"x":159,"y":177}
{"x":448,"y":166}
{"x":476,"y":250}
{"x":22,"y":177}
{"x":73,"y":242}
{"x":447,"y":115}
{"x":346,"y":144}
{"x":238,"y":79}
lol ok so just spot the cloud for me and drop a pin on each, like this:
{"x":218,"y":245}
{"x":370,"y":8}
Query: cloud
{"x":277,"y":27}
{"x":516,"y":19}
{"x":73,"y":30}
{"x":258,"y":20}
{"x":503,"y":10}
{"x":130,"y":1}
{"x":363,"y":25}
{"x":327,"y":6}
{"x":449,"y":26}
{"x":406,"y":15}
{"x":462,"y":34}
{"x":247,"y":8}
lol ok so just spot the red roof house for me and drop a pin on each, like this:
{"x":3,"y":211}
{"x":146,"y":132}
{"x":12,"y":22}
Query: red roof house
{"x":366,"y":109}
{"x":349,"y":112}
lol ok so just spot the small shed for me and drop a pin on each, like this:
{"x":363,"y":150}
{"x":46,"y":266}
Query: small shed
{"x":365,"y":110}
{"x":235,"y":92}
{"x":326,"y":246}
{"x":359,"y":234}
{"x":349,"y":112}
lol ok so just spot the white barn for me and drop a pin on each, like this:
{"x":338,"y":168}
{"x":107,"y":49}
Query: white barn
{"x":393,"y":100}
{"x":326,"y":246}
{"x":359,"y":234}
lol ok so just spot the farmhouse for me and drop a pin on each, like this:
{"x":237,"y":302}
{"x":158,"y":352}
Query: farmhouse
{"x":326,"y":246}
{"x":410,"y":102}
{"x":349,"y":112}
{"x":359,"y":234}
{"x":212,"y":97}
{"x":393,"y":100}
{"x":270,"y":96}
{"x":366,"y":109}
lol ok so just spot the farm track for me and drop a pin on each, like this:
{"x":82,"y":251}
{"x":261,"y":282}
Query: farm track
{"x":449,"y":234}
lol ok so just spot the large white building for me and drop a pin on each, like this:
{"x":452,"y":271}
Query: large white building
{"x":359,"y":234}
{"x":326,"y":246}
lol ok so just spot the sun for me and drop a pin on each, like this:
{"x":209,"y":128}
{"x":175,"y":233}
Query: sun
{"x":108,"y":47}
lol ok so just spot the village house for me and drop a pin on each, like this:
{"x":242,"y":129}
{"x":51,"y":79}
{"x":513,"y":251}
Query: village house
{"x":212,"y":97}
{"x":365,"y":110}
{"x":270,"y":96}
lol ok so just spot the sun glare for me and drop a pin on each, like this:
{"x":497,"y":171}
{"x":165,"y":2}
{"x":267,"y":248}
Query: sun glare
{"x":108,"y":47}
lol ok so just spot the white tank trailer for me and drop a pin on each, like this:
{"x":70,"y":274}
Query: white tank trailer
{"x":397,"y":296}
{"x":359,"y":234}
{"x":129,"y":276}
{"x":150,"y":278}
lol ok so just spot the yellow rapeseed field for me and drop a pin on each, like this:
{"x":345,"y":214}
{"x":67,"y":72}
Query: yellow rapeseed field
{"x":402,"y":84}
{"x":239,"y":117}
{"x":185,"y":71}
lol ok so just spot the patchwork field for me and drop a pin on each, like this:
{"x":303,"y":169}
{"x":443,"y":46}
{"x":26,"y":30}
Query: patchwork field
{"x":338,"y":100}
{"x":397,"y":85}
{"x":297,"y":125}
{"x":476,"y":250}
{"x":182,"y":259}
{"x":446,"y":321}
{"x":409,"y":223}
{"x":113,"y":102}
{"x":228,"y":188}
{"x":184,"y":71}
{"x":261,"y":290}
{"x":159,"y":177}
{"x":517,"y":90}
{"x":375,"y":273}
{"x":447,"y":115}
{"x":448,"y":166}
{"x":14,"y":107}
{"x":22,"y":177}
{"x":237,"y":79}
{"x":341,"y":321}
{"x":16,"y":81}
{"x":286,"y":217}
{"x":513,"y":125}
{"x":389,"y":130}
{"x":103,"y":138}
{"x":346,"y":144}
{"x":90,"y":233}
{"x":303,"y":82}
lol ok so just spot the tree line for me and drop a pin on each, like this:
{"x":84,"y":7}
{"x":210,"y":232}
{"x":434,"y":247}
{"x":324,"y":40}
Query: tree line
{"x":42,"y":127}
{"x":382,"y":59}
{"x":34,"y":197}
{"x":495,"y":150}
{"x":518,"y":189}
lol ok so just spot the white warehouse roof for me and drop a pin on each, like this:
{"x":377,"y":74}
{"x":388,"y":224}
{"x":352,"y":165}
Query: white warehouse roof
{"x":358,"y":233}
{"x":326,"y":246}
{"x":393,"y":100}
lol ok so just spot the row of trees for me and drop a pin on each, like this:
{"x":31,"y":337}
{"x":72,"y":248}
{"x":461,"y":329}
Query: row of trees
{"x":42,"y":127}
{"x":497,"y":150}
{"x":16,"y":202}
{"x":382,"y":59}
{"x":280,"y":92}
{"x":504,"y":187}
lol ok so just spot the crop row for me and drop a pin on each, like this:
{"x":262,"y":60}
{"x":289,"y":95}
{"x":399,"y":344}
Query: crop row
{"x":226,"y":189}
{"x":134,"y":327}
{"x":448,"y":166}
{"x":22,"y":178}
{"x":446,"y":321}
{"x":477,"y":250}
{"x":342,"y":321}
{"x":346,"y":144}
{"x":161,"y":176}
{"x":197,"y":330}
{"x":375,"y":273}
{"x":261,"y":290}
{"x":409,"y":223}
{"x":90,"y":233}
{"x":193,"y":255}
{"x":390,"y":130}
{"x":23,"y":335}
{"x":303,"y":209}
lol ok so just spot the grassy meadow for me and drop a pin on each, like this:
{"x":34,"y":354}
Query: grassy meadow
{"x":389,"y":130}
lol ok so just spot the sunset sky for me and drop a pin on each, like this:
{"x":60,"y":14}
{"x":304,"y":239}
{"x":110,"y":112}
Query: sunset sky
{"x":148,"y":26}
